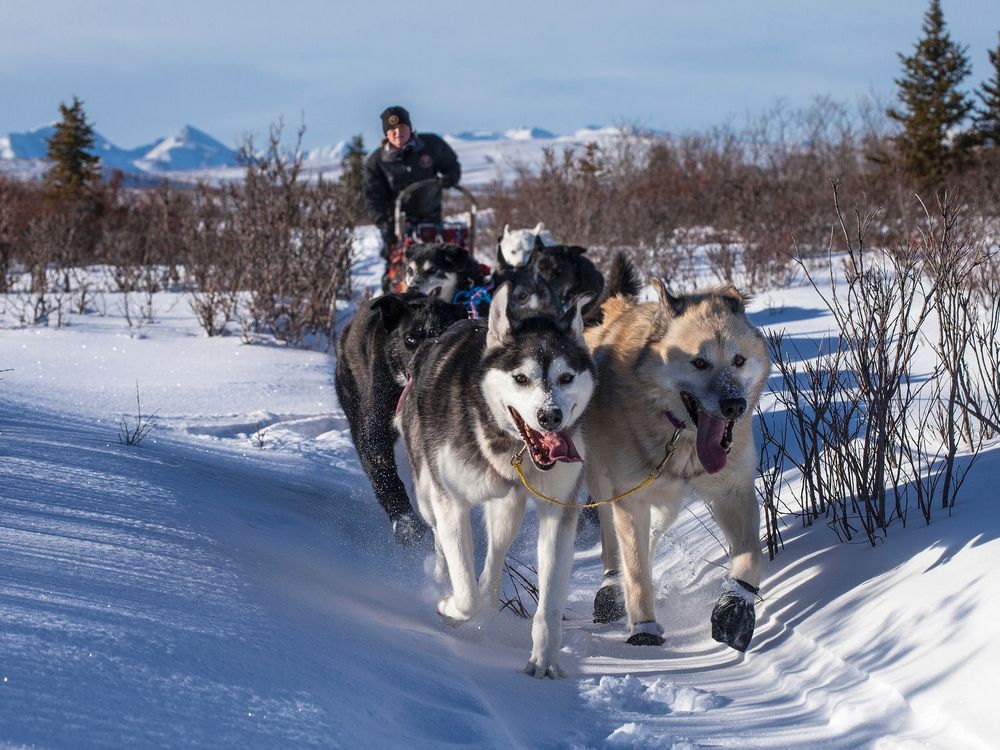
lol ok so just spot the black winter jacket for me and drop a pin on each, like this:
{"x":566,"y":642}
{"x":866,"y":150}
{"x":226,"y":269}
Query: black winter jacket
{"x":386,"y":174}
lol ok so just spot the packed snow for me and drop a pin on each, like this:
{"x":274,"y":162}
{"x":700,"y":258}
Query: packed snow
{"x":230,"y":581}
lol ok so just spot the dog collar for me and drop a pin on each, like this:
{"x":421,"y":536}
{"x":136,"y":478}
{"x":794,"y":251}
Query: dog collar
{"x":678,"y":424}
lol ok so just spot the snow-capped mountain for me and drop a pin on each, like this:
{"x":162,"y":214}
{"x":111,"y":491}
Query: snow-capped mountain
{"x":30,"y":145}
{"x":514,"y":134}
{"x":192,"y":155}
{"x":189,"y":149}
{"x":328,"y":154}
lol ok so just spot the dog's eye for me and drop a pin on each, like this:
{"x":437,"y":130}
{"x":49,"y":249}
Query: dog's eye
{"x":739,"y":360}
{"x":521,"y":379}
{"x":700,"y":363}
{"x":411,"y":341}
{"x":566,"y":378}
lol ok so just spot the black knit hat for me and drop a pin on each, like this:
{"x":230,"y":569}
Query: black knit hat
{"x":395,"y":116}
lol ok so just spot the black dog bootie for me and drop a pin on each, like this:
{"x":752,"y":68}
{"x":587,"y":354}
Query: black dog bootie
{"x":734,"y":617}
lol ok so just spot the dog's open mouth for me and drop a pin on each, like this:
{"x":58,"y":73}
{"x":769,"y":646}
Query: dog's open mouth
{"x":545,"y":448}
{"x":715,"y":436}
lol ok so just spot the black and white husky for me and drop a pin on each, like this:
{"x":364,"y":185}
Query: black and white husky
{"x":480,"y":393}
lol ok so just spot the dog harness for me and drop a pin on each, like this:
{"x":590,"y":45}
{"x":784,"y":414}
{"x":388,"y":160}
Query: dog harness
{"x":472,"y":297}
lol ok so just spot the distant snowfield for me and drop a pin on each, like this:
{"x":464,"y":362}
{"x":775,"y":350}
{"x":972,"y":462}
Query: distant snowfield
{"x":231,"y":582}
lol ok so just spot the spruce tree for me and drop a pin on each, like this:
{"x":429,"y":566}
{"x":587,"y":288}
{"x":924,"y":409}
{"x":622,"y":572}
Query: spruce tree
{"x":987,"y":116}
{"x":351,"y":177}
{"x":931,"y":104}
{"x":74,"y":167}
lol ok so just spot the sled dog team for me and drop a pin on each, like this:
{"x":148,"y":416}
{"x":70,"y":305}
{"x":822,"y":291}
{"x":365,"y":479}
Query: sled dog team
{"x":559,"y":383}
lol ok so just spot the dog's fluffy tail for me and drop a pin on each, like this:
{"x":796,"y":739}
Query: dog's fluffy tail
{"x":622,"y":280}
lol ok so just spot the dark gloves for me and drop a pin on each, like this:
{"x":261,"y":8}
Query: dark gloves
{"x":733,"y":618}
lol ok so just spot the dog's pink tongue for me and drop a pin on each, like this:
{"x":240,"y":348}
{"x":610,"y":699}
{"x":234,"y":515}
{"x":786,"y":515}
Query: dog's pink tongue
{"x":709,"y":443}
{"x":560,"y":447}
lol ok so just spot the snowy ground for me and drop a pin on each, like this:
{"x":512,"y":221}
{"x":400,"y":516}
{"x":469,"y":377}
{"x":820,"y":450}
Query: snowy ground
{"x":230,"y":582}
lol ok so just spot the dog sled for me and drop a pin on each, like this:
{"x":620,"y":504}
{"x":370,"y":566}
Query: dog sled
{"x":409,"y":233}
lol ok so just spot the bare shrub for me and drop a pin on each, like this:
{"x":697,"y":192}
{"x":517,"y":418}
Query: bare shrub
{"x":137,"y":276}
{"x":272,"y":253}
{"x":744,"y":200}
{"x":214,"y":263}
{"x":295,"y":244}
{"x":867,"y":440}
{"x":136,"y":432}
{"x":40,"y":287}
{"x":953,"y":258}
{"x":980,"y":396}
{"x":519,"y":591}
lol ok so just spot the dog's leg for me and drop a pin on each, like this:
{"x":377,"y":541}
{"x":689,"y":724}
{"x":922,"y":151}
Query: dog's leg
{"x":453,"y":532}
{"x":739,"y":518}
{"x":734,"y":616}
{"x":503,"y":519}
{"x":423,"y":489}
{"x":609,"y":539}
{"x":556,"y":533}
{"x":376,"y":449}
{"x":609,"y":602}
{"x":661,"y":518}
{"x":632,"y":525}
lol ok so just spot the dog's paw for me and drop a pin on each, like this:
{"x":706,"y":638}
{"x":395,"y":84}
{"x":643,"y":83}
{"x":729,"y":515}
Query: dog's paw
{"x":609,"y":603}
{"x":541,"y":669}
{"x":450,"y":612}
{"x":733,"y":618}
{"x":648,"y":633}
{"x":407,"y":528}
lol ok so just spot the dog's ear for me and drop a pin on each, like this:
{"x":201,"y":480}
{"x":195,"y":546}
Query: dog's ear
{"x":538,"y":229}
{"x":506,"y":231}
{"x":498,"y":330}
{"x":575,"y":250}
{"x":457,"y":256}
{"x":736,"y":300}
{"x":572,"y":319}
{"x":502,"y":263}
{"x":539,"y":245}
{"x":392,"y":308}
{"x":670,"y":307}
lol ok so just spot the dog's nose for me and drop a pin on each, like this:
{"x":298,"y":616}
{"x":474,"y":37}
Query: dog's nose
{"x":549,"y":419}
{"x":733,"y":408}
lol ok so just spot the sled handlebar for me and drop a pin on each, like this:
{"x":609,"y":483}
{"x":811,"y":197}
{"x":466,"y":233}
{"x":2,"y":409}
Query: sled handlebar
{"x":409,"y":189}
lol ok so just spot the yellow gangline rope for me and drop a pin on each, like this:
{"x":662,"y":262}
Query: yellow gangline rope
{"x":655,"y":474}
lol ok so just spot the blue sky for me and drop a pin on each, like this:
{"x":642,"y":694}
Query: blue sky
{"x":145,"y":69}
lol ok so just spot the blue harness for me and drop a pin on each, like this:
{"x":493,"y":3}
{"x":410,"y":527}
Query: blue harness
{"x":472,"y":297}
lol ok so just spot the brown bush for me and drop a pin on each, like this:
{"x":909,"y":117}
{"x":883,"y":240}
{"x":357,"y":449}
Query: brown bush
{"x":748,"y":200}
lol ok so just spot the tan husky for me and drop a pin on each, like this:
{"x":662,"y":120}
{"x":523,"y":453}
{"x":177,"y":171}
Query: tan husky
{"x":678,"y":376}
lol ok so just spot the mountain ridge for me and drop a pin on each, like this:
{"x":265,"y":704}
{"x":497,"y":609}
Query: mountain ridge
{"x":191,"y":155}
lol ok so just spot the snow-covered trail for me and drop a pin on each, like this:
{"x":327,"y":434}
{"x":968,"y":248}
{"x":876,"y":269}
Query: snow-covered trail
{"x":167,"y":595}
{"x":205,"y":589}
{"x":181,"y":594}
